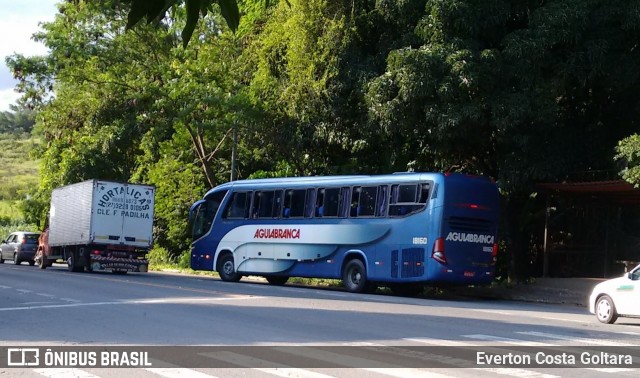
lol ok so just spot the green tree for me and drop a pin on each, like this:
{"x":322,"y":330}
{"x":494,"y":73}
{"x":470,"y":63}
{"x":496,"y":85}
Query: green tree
{"x":524,"y":91}
{"x":120,"y":101}
{"x":20,"y":120}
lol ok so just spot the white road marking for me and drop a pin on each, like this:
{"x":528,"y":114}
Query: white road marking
{"x":499,"y":312}
{"x":179,"y":373}
{"x":64,"y":372}
{"x":362,"y":344}
{"x":520,"y":373}
{"x":612,"y":370}
{"x":70,"y":300}
{"x":251,"y":362}
{"x":507,"y":340}
{"x":128,"y":302}
{"x":292,"y":372}
{"x":599,"y":342}
{"x":46,"y":295}
{"x":5,"y":287}
{"x":405,"y":372}
{"x":439,"y":342}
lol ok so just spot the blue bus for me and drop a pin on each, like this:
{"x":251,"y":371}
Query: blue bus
{"x":398,"y":230}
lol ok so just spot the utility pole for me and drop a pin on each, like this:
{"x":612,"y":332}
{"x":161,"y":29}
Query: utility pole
{"x":234,"y":152}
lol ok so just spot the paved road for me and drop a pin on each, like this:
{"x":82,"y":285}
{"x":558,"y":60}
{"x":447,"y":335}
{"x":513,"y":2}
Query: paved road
{"x":378,"y":335}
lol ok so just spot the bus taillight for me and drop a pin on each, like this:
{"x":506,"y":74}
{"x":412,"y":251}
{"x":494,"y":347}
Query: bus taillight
{"x":438,"y":251}
{"x":494,"y":252}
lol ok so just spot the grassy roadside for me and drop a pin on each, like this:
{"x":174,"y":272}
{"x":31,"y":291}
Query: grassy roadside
{"x":174,"y":268}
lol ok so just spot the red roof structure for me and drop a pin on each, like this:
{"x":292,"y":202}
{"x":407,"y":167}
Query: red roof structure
{"x":612,"y":191}
{"x":601,"y":201}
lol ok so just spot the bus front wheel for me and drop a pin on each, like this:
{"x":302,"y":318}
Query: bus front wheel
{"x":354,"y":276}
{"x":227,"y":270}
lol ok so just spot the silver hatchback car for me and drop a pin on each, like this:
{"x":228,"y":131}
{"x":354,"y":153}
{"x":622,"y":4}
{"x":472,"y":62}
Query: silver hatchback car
{"x":19,"y":246}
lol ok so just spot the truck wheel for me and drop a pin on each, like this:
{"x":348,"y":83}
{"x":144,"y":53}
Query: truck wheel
{"x":71,"y":263}
{"x":227,"y":270}
{"x":42,"y":262}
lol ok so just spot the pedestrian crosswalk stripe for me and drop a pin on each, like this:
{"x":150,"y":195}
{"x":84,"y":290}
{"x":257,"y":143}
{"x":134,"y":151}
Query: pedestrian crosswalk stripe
{"x":520,"y":373}
{"x":293,"y":372}
{"x":65,"y":372}
{"x":406,"y":373}
{"x":178,"y":373}
{"x":598,"y":342}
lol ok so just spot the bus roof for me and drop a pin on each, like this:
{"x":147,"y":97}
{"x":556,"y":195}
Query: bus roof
{"x":342,"y":180}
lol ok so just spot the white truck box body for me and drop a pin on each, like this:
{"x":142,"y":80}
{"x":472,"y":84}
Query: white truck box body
{"x":102,"y":212}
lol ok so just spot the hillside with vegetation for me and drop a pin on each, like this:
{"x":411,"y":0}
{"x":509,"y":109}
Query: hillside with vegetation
{"x":18,"y":169}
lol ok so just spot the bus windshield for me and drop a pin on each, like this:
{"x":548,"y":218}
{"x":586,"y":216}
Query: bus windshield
{"x":204,"y":213}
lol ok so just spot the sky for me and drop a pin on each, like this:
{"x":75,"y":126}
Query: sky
{"x":19,"y":19}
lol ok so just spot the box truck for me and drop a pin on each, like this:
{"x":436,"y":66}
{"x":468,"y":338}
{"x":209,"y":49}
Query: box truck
{"x":99,"y":225}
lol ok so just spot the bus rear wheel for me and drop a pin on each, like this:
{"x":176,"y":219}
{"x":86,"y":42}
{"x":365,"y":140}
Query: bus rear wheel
{"x":354,"y":276}
{"x":226,"y":269}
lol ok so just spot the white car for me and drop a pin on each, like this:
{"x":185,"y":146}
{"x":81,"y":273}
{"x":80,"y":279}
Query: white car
{"x":617,"y":297}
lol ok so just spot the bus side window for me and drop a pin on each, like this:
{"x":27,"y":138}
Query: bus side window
{"x":382,"y":201}
{"x":367,"y":203}
{"x":294,"y":203}
{"x":355,"y":199}
{"x":331,"y":203}
{"x":236,"y":208}
{"x":277,"y":204}
{"x":263,"y":204}
{"x":408,"y":198}
{"x":344,"y":202}
{"x":424,"y":193}
{"x":320,"y":203}
{"x":310,"y":203}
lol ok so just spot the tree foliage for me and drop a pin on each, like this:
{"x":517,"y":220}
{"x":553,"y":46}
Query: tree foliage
{"x":17,"y":121}
{"x":155,"y":11}
{"x":521,"y":90}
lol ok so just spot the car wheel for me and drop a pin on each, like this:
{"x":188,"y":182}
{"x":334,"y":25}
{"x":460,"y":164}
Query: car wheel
{"x":1,"y":259}
{"x":16,"y":259}
{"x":606,"y":310}
{"x":354,"y":276}
{"x":227,"y":269}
